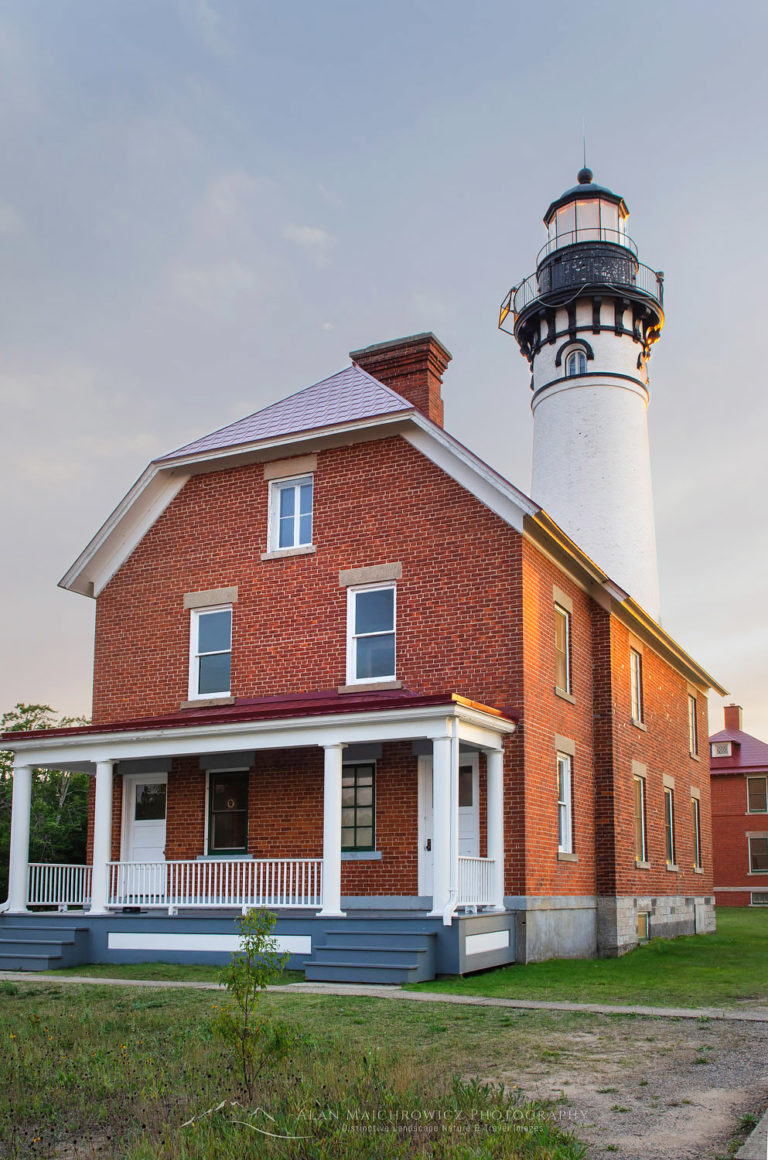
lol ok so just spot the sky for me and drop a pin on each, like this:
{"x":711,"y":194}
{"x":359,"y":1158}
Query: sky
{"x":206,"y":204}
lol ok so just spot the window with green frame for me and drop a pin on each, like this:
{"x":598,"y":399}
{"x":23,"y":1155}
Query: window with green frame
{"x":358,"y":806}
{"x":228,"y":813}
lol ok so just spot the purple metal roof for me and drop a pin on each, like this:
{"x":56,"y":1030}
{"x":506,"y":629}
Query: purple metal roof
{"x":748,"y":752}
{"x":343,"y":398}
{"x":317,"y":704}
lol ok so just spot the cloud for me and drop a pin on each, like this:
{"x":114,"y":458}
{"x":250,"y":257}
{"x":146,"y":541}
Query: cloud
{"x":316,"y":243}
{"x":205,"y":19}
{"x":215,"y":289}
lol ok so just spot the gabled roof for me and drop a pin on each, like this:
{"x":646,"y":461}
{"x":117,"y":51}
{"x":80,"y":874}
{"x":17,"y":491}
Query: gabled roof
{"x":346,"y":397}
{"x":748,"y":752}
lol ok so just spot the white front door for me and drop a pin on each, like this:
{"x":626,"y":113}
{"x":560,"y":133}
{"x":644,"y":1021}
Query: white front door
{"x":469,"y":815}
{"x":144,"y":831}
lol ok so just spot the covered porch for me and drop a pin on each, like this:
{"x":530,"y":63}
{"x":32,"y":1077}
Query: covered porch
{"x":357,"y":806}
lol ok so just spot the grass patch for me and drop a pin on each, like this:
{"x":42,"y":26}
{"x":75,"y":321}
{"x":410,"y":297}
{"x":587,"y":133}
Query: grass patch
{"x":93,"y":1071}
{"x":728,"y":968}
{"x":159,"y":972}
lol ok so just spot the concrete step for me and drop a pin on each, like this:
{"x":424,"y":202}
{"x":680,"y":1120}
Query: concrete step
{"x":28,"y":962}
{"x":28,"y":934}
{"x":38,"y":946}
{"x":364,"y":939}
{"x":352,"y":972}
{"x":375,"y":957}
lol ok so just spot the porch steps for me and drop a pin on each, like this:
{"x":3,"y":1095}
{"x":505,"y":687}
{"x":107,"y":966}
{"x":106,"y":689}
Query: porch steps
{"x":373,"y":955}
{"x":27,"y":947}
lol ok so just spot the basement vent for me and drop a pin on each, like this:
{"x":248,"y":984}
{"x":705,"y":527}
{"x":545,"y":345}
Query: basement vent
{"x":720,"y":748}
{"x":643,"y":926}
{"x":759,"y":898}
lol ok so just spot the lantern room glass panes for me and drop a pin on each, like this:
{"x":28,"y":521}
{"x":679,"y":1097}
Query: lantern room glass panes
{"x":228,"y":821}
{"x":358,"y":806}
{"x":372,"y":642}
{"x":593,"y":219}
{"x":212,"y":652}
{"x":588,"y":219}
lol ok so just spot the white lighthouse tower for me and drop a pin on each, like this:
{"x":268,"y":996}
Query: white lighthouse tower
{"x":586,"y":321}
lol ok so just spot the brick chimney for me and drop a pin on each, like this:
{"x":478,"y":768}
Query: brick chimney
{"x":733,"y":717}
{"x":411,"y":366}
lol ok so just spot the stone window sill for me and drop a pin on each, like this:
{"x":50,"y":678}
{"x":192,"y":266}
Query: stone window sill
{"x":642,"y":865}
{"x":698,"y":869}
{"x":284,"y":553}
{"x":565,"y":696}
{"x":370,"y":687}
{"x":639,"y":725}
{"x":562,"y":856}
{"x":694,"y":757}
{"x":673,"y":869}
{"x":235,"y":857}
{"x":361,"y":855}
{"x":207,"y":702}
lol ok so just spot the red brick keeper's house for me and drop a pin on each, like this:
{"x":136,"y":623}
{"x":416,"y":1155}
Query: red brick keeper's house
{"x":739,"y":773}
{"x":345,"y":670}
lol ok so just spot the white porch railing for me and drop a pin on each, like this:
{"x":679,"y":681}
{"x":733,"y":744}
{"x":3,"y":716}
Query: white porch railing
{"x":476,"y":881}
{"x":279,"y":882}
{"x":57,"y":884}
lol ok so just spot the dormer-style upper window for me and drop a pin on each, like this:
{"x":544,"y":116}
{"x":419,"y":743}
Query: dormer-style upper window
{"x":291,"y":513}
{"x":576,"y":362}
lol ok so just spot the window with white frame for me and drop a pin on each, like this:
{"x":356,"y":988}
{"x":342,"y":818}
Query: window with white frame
{"x":636,"y":684}
{"x":290,"y":513}
{"x":228,"y":813}
{"x":758,"y":854}
{"x":696,"y":826}
{"x":576,"y":362}
{"x":371,"y":633}
{"x":641,"y":837}
{"x":210,"y":659}
{"x":564,"y":803}
{"x":669,"y":825}
{"x":562,"y":649}
{"x":693,"y":728}
{"x":757,"y":795}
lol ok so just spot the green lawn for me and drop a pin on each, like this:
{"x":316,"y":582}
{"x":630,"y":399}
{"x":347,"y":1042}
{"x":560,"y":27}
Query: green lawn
{"x":91,"y":1071}
{"x":162,"y":972}
{"x":728,"y":968}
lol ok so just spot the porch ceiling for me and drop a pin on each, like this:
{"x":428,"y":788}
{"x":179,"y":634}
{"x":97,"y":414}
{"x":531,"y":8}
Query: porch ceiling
{"x":267,"y":723}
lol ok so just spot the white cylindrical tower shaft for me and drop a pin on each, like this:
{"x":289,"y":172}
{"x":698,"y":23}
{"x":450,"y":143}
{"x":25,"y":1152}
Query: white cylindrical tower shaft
{"x":586,"y":321}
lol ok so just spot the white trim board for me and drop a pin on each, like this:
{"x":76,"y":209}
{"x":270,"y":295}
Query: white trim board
{"x":295,"y":944}
{"x":492,"y":940}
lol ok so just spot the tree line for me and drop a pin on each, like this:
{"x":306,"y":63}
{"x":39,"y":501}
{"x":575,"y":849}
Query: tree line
{"x":59,"y":821}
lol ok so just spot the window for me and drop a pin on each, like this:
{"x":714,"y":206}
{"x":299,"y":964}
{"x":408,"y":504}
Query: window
{"x":358,"y":806}
{"x":150,"y":802}
{"x":641,"y":840}
{"x":562,"y":649}
{"x":564,"y":804}
{"x":228,"y":813}
{"x":290,"y":514}
{"x":210,"y":652}
{"x":758,"y":855}
{"x":636,"y":684}
{"x":371,"y":634}
{"x":720,"y":749}
{"x":759,"y":898}
{"x":669,"y":825}
{"x":696,"y":824}
{"x":576,"y":363}
{"x":693,"y":728}
{"x":757,"y":795}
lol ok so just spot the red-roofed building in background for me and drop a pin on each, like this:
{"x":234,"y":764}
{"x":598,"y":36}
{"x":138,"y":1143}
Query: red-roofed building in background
{"x":345,"y":670}
{"x":739,"y":777}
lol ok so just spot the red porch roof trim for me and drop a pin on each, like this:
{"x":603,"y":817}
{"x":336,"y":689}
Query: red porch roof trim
{"x":275,"y":708}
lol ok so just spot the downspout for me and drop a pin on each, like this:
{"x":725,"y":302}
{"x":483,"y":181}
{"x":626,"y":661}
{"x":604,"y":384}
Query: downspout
{"x":453,"y":788}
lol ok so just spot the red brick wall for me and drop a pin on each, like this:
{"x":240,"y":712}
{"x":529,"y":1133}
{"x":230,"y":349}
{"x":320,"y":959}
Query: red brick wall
{"x":663,"y":747}
{"x":730,"y":825}
{"x":458,"y":601}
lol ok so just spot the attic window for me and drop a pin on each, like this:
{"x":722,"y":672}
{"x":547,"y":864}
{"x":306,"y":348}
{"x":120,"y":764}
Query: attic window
{"x":290,"y":513}
{"x":720,"y":749}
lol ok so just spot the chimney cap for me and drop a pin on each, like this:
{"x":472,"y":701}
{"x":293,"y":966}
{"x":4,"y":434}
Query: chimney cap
{"x":409,"y":340}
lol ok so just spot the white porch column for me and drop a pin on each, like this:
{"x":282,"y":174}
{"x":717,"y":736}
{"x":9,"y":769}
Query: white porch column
{"x":332,"y":832}
{"x":102,"y":837}
{"x":441,"y":824}
{"x":18,"y":871}
{"x":494,"y":759}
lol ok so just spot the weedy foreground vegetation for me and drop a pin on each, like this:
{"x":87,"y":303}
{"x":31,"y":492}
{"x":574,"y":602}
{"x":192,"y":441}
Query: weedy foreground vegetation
{"x":110,"y":1072}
